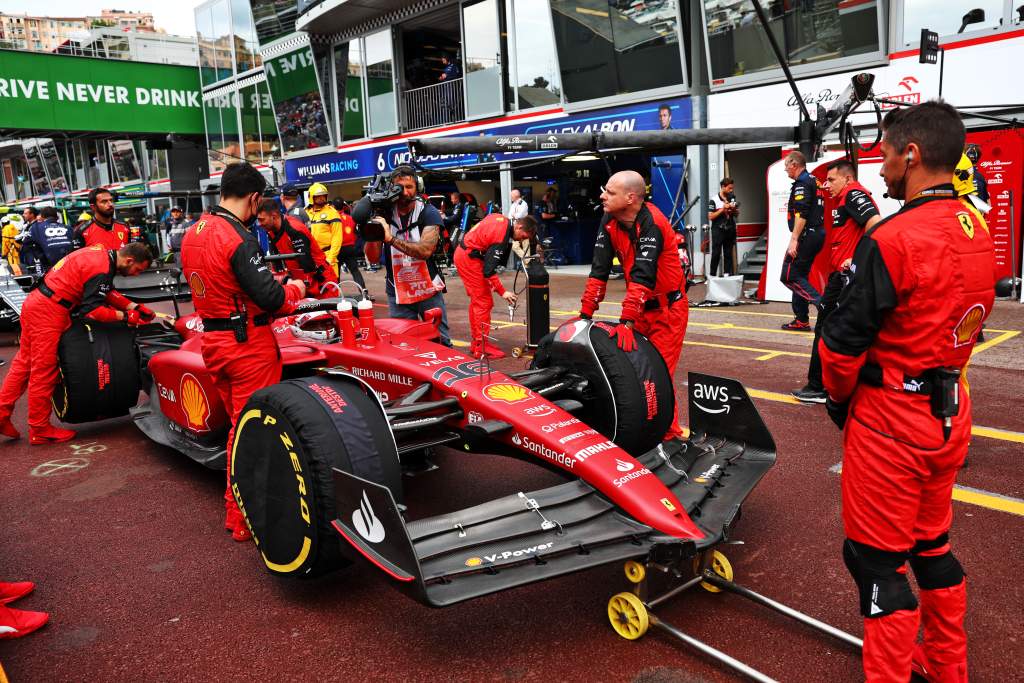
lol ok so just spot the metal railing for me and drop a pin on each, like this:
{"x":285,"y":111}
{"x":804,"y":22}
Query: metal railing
{"x":433,"y":105}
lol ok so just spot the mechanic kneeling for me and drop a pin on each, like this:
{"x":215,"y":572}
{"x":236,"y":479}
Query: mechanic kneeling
{"x":892,"y":356}
{"x":640,"y":236}
{"x":235,"y":294}
{"x":480,"y":252}
{"x":81,"y":283}
{"x":288,"y":235}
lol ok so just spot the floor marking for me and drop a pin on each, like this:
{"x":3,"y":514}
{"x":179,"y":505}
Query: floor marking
{"x":87,"y":448}
{"x":710,"y":326}
{"x":989,"y":343}
{"x":56,"y":467}
{"x":766,"y":354}
{"x":976,"y":430}
{"x":973,"y":496}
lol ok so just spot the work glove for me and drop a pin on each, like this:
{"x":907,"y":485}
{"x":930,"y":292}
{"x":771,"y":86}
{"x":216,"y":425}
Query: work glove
{"x":133,"y":318}
{"x":145,"y":312}
{"x":626,"y":340}
{"x":838,"y":412}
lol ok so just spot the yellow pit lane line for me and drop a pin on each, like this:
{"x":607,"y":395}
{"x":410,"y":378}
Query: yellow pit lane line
{"x":973,"y":496}
{"x":989,"y":343}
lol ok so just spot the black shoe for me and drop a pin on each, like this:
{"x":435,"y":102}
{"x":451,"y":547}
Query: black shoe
{"x":809,"y":395}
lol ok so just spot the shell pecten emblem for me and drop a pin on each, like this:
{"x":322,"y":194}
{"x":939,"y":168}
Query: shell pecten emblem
{"x":507,"y":392}
{"x":967,"y":329}
{"x":195,"y":403}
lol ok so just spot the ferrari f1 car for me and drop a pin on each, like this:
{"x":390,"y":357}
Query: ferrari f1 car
{"x":318,"y":458}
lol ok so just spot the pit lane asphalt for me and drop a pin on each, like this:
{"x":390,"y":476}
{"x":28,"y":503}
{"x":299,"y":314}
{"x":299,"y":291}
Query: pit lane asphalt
{"x":125,"y":542}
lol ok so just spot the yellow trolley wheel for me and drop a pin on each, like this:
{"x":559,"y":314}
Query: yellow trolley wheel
{"x":635,"y":572}
{"x":628,"y":615}
{"x":719,"y":565}
{"x":517,"y":352}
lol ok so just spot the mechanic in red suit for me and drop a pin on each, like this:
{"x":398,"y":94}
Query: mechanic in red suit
{"x":477,"y":258}
{"x":348,"y":255}
{"x":81,"y":283}
{"x":892,"y":355}
{"x":102,"y":229}
{"x":640,"y":236}
{"x":289,"y":235}
{"x":235,"y":294}
{"x":855,"y":211}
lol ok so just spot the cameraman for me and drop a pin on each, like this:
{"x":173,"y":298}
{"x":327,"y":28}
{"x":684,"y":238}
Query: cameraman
{"x":723,"y":210}
{"x":412,"y":231}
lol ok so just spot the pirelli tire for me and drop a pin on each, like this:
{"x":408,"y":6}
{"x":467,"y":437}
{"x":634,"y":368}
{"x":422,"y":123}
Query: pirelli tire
{"x":98,"y":374}
{"x":288,"y":439}
{"x":630,"y":398}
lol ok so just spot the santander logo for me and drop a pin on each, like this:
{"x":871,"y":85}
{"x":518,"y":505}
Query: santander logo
{"x":623,"y":466}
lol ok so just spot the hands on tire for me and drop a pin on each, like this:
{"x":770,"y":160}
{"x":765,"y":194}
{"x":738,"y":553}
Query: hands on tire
{"x":626,"y":340}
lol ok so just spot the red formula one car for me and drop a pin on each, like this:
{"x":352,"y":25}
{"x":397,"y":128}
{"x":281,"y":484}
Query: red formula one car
{"x":318,"y":460}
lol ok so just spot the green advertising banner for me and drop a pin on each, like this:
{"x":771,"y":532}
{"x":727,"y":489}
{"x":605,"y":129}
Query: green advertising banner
{"x":41,"y":91}
{"x":292,"y":74}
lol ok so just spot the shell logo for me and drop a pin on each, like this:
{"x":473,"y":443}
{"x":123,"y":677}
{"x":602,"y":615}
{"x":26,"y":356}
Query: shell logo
{"x":509,"y":393}
{"x":195,"y":403}
{"x":967,"y":329}
{"x":474,"y":562}
{"x":197,"y":285}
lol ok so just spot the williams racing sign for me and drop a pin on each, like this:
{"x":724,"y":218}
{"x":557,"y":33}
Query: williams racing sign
{"x":362,"y":160}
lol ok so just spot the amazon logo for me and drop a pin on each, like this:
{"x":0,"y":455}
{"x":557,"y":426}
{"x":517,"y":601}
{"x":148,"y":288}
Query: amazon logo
{"x":711,"y":393}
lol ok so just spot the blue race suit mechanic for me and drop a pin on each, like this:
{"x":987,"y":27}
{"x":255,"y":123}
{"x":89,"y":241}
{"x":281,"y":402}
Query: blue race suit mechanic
{"x":235,"y":294}
{"x":805,"y":214}
{"x":640,"y":236}
{"x":48,"y":240}
{"x":892,"y":355}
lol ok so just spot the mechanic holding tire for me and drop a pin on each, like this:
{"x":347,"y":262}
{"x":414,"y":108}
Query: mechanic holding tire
{"x":235,"y":294}
{"x":82,"y":283}
{"x":892,"y":355}
{"x":480,"y":252}
{"x":289,"y":235}
{"x":640,"y":236}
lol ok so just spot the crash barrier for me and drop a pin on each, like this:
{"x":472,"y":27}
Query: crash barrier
{"x":98,"y":372}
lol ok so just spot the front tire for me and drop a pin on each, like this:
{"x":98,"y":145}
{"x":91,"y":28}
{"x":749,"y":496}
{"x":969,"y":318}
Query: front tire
{"x":288,"y":439}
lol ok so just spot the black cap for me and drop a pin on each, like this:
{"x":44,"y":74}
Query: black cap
{"x":176,"y":208}
{"x":289,"y":190}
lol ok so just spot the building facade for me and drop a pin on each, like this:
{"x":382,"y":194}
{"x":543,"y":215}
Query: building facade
{"x":46,"y":34}
{"x":349,"y":85}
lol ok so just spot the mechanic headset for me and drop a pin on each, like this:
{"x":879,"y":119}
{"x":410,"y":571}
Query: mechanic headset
{"x":406,"y":170}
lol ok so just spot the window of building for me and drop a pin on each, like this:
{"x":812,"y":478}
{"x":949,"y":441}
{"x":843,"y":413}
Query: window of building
{"x":482,"y":59}
{"x":222,"y":39}
{"x":37,"y":172}
{"x":158,"y":167}
{"x":350,"y":74}
{"x":615,"y":47}
{"x":950,"y":18}
{"x":124,"y":161}
{"x":52,"y":164}
{"x":270,"y":142}
{"x":273,"y":19}
{"x":808,"y":33}
{"x":251,"y":140}
{"x":204,"y":38}
{"x":534,"y":72}
{"x":380,"y":84}
{"x":247,"y":56}
{"x":297,"y":102}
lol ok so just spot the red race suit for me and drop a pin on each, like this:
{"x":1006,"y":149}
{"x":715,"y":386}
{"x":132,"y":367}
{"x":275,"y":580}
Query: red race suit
{"x":477,"y":258}
{"x":223,"y":266}
{"x":113,"y":236}
{"x":82,"y":283}
{"x":892,"y":353}
{"x":311,"y":264}
{"x":654,"y":276}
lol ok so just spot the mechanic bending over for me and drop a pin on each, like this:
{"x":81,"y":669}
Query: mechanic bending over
{"x":481,"y":250}
{"x":855,"y":212}
{"x":892,"y":355}
{"x":289,"y":235}
{"x":411,"y":234}
{"x":81,"y":284}
{"x":639,"y":235}
{"x":235,"y":293}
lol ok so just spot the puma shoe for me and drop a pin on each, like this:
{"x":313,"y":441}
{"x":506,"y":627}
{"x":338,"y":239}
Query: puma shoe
{"x":8,"y":429}
{"x":49,"y":434}
{"x":797,"y":326}
{"x":9,"y":592}
{"x":15,"y":623}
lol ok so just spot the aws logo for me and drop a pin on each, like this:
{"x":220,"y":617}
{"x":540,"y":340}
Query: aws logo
{"x":195,"y":403}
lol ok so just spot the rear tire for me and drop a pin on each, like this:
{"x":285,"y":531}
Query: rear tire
{"x":99,"y":372}
{"x":638,"y":410}
{"x":288,"y":439}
